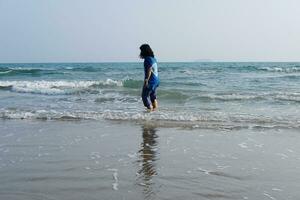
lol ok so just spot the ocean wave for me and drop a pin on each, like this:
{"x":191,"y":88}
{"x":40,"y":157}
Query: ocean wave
{"x":131,"y":83}
{"x":161,"y":118}
{"x":263,"y":68}
{"x":63,"y":87}
{"x":280,"y":69}
{"x":116,"y":98}
{"x":267,"y":96}
{"x":5,"y":71}
{"x":173,"y":95}
{"x":83,"y":68}
{"x":293,"y":97}
{"x":55,"y":87}
{"x":230,"y":97}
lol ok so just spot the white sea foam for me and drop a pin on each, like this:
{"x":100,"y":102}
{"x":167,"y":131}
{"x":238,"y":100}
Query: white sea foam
{"x":289,"y":97}
{"x":277,"y":189}
{"x":283,"y":96}
{"x":54,"y":87}
{"x":204,"y":170}
{"x":281,"y":69}
{"x":269,"y":196}
{"x":166,"y":118}
{"x":116,"y":183}
{"x":6,"y":72}
{"x":115,"y":177}
{"x":243,"y":145}
{"x":228,"y":97}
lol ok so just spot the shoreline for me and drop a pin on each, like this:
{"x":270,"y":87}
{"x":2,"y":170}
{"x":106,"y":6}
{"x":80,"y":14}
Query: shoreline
{"x":120,"y":160}
{"x":161,"y":123}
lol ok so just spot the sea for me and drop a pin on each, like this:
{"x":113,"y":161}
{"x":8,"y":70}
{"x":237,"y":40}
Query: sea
{"x":222,"y":131}
{"x":217,"y":95}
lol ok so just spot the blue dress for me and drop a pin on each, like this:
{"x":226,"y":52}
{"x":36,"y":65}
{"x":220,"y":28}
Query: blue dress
{"x":149,"y":92}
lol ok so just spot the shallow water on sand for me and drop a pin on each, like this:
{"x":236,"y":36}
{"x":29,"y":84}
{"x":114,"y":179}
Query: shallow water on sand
{"x":117,"y":160}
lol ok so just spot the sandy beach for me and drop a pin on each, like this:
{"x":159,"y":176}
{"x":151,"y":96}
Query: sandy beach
{"x":120,"y":160}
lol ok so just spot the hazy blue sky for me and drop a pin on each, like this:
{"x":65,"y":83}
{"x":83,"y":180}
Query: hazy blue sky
{"x":178,"y":30}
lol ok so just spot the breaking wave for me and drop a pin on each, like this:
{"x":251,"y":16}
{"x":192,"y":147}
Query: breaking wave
{"x":160,"y":118}
{"x":55,"y":87}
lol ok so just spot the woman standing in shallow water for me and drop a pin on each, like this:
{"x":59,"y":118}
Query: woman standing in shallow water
{"x":151,"y":81}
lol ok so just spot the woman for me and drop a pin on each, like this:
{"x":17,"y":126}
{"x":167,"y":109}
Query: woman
{"x":151,"y":81}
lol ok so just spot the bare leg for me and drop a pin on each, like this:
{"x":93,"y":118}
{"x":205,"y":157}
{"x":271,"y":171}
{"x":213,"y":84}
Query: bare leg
{"x":155,"y":104}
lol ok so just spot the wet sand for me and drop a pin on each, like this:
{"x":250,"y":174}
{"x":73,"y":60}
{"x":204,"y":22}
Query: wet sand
{"x":119,"y":160}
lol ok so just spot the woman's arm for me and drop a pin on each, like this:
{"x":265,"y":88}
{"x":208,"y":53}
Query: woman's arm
{"x":147,"y":76}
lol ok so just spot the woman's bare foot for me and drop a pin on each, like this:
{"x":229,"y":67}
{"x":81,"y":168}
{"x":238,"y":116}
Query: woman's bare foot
{"x":155,"y":104}
{"x":150,"y":109}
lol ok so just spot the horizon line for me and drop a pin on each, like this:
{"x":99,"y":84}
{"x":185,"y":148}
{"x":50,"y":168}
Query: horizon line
{"x":164,"y":61}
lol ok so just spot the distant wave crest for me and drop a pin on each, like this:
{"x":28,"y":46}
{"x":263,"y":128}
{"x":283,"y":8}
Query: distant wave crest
{"x":281,"y":69}
{"x":5,"y":71}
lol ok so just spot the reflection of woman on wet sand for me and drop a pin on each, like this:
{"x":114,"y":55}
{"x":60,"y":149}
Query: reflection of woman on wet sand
{"x":148,"y":152}
{"x":148,"y":157}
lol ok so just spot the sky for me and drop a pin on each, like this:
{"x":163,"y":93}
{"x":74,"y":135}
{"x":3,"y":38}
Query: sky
{"x":177,"y":30}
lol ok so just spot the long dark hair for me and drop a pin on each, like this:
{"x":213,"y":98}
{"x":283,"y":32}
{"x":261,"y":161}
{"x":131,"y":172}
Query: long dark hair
{"x":146,"y":51}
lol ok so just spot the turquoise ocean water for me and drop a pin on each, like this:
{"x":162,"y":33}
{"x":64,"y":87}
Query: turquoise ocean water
{"x":197,"y":95}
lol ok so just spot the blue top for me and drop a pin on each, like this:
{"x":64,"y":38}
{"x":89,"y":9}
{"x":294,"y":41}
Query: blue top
{"x":151,"y":62}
